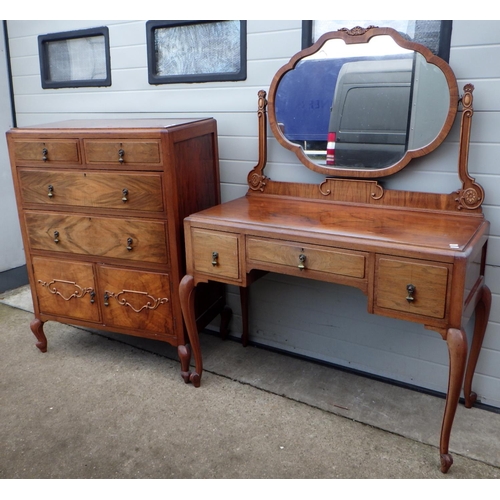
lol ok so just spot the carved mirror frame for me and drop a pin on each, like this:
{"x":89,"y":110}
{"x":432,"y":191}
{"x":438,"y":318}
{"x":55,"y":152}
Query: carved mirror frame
{"x":470,"y":196}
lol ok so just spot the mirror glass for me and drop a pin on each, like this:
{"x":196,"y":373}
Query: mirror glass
{"x":361,"y":106}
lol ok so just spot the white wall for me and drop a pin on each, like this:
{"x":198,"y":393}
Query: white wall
{"x":316,"y":319}
{"x":11,"y":245}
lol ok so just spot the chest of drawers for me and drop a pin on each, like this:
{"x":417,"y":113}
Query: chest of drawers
{"x":101,"y":205}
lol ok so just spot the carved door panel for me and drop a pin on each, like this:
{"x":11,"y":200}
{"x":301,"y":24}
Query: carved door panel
{"x":66,"y":288}
{"x":136,"y":300}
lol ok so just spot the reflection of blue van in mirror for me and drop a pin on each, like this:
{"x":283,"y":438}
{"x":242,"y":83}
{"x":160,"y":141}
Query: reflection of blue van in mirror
{"x":371,"y":112}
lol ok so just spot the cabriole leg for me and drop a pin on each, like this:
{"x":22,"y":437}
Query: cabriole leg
{"x":457,"y":349}
{"x":187,"y":295}
{"x":37,"y":328}
{"x":482,"y":315}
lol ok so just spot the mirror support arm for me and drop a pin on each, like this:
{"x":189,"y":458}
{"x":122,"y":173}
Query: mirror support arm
{"x":471,"y":195}
{"x":256,"y":179}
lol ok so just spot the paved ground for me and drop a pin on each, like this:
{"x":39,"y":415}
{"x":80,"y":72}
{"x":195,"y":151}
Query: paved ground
{"x":104,"y":406}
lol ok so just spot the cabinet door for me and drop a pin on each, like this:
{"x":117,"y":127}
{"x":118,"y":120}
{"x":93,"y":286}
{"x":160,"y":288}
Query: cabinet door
{"x":138,"y":301}
{"x":66,"y":289}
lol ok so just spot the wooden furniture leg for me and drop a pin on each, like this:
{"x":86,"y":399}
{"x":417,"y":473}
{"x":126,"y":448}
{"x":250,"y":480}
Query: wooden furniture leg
{"x":187,"y":295}
{"x":244,"y":314}
{"x":481,"y":322}
{"x":457,"y":349}
{"x":37,"y":328}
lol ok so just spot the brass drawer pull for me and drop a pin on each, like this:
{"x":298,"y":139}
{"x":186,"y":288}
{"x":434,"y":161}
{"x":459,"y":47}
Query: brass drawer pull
{"x":56,"y":236}
{"x":129,"y":244}
{"x":302,"y":259}
{"x":411,"y":290}
{"x":51,"y":191}
{"x":215,"y":259}
{"x":121,"y":152}
{"x":44,"y":154}
{"x":92,"y":297}
{"x":106,"y":299}
{"x":125,"y":194}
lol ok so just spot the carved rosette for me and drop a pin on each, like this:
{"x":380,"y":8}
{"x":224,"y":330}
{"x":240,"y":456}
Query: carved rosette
{"x":151,"y":304}
{"x":256,"y":181}
{"x":78,"y":293}
{"x":471,"y":197}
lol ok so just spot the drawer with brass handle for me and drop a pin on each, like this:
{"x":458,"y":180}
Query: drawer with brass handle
{"x":216,"y":253}
{"x":122,"y":191}
{"x":46,"y":152}
{"x":415,"y":287}
{"x":131,"y":239}
{"x":305,"y":258}
{"x":123,"y":152}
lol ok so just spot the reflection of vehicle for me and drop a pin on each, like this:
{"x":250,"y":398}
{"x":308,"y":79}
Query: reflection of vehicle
{"x":371,"y":112}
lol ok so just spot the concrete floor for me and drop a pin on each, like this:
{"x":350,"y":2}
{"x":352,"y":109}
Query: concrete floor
{"x":100,"y":405}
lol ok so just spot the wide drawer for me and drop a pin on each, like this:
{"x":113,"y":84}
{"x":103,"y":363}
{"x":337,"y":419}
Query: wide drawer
{"x":216,"y":253}
{"x":65,"y":288}
{"x":131,"y":239}
{"x":136,"y":300}
{"x":410,"y":286}
{"x":307,"y":257}
{"x":122,"y":151}
{"x":92,"y":189}
{"x":46,"y":151}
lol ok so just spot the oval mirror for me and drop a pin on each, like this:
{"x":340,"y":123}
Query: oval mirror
{"x":362,"y":103}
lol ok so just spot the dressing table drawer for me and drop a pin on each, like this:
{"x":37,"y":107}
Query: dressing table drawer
{"x":47,"y":151}
{"x":411,"y":286}
{"x":122,"y":191}
{"x":307,"y":257}
{"x":123,"y":151}
{"x":130,"y":239}
{"x":216,"y":253}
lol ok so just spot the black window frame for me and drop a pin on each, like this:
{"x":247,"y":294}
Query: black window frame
{"x":444,"y":37}
{"x":155,"y":79}
{"x":44,"y":40}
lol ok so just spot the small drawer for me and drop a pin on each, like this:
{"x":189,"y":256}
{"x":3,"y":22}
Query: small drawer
{"x":122,"y":151}
{"x":216,"y":253}
{"x":47,"y":152}
{"x":411,"y":286}
{"x":66,"y":288}
{"x":141,"y":192}
{"x":130,"y":239}
{"x":307,"y":257}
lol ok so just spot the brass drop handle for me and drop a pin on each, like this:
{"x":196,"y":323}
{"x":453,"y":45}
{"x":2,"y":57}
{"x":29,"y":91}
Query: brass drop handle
{"x":44,"y":154}
{"x":411,"y":290}
{"x":124,"y":195}
{"x":92,"y":297}
{"x":215,"y":259}
{"x":51,"y":191}
{"x":129,"y":244}
{"x":106,"y":299}
{"x":56,"y":236}
{"x":302,"y":259}
{"x":121,"y":152}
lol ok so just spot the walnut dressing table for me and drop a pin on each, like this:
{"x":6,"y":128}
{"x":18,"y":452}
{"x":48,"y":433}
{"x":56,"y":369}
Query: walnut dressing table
{"x":416,"y":256}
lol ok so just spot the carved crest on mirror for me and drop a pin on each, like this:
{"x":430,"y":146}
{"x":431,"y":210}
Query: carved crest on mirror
{"x":360,"y":104}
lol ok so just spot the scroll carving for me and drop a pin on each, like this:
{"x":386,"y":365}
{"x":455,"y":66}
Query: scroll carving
{"x":77,"y":294}
{"x":357,"y":30}
{"x":151,"y":304}
{"x":256,"y":179}
{"x":351,"y":189}
{"x":471,"y":196}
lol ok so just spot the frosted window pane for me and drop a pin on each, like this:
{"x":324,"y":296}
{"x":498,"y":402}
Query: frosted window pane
{"x":198,"y":49}
{"x":77,"y":59}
